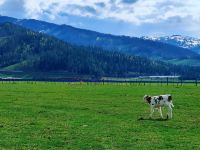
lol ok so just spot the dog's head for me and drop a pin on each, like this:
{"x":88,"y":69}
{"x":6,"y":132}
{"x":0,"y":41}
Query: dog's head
{"x":147,"y":99}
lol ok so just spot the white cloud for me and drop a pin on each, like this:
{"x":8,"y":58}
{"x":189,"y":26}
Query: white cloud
{"x":2,"y":1}
{"x":138,"y":12}
{"x":174,"y":14}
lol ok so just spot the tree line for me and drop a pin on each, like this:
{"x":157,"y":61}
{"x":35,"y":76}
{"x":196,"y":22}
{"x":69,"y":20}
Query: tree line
{"x":23,"y":49}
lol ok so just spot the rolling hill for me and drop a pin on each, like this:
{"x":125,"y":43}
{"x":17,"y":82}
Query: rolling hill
{"x":25,"y":50}
{"x":124,"y":44}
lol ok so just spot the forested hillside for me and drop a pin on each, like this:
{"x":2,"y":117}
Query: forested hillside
{"x":124,"y":44}
{"x":23,"y":49}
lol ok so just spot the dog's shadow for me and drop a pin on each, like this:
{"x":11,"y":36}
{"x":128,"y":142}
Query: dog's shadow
{"x":151,"y":119}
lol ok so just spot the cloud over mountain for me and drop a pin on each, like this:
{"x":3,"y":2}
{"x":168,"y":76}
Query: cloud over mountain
{"x":133,"y":12}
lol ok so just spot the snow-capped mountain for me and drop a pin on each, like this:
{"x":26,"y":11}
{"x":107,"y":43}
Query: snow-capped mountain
{"x":178,"y":40}
{"x":123,"y":44}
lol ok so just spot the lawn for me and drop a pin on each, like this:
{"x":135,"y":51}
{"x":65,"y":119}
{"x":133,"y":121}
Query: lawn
{"x":95,"y":116}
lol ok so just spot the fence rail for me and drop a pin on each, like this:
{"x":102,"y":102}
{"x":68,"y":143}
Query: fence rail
{"x":139,"y":82}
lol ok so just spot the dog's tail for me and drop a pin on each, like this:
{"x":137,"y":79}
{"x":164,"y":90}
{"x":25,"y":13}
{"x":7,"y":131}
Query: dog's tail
{"x":172,"y":104}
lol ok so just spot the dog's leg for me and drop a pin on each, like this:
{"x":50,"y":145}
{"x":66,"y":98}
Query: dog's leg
{"x":152,"y":110}
{"x":170,"y":112}
{"x":160,"y":111}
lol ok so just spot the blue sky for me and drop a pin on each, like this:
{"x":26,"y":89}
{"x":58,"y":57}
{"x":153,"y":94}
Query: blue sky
{"x":120,"y":17}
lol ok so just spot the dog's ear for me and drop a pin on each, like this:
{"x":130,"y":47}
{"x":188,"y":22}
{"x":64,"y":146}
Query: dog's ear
{"x":147,"y":99}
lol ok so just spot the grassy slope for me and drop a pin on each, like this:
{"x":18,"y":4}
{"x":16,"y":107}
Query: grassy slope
{"x":190,"y":62}
{"x":74,"y":116}
{"x":42,"y":75}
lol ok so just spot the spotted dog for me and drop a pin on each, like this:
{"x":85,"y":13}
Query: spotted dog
{"x":159,"y":102}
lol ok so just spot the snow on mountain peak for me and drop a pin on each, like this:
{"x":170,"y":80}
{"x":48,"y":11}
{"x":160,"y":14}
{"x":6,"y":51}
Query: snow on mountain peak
{"x":177,"y":40}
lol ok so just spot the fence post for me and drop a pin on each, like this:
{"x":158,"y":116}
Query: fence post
{"x":181,"y":81}
{"x":167,"y":81}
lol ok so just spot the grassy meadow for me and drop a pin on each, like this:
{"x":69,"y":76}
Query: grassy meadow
{"x":95,"y":116}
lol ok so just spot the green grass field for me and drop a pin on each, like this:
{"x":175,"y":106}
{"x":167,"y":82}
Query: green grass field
{"x":95,"y":116}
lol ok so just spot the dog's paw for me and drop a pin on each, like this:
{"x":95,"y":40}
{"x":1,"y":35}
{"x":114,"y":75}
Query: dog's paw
{"x":141,"y":118}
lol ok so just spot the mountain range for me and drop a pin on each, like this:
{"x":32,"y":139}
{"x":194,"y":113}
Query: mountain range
{"x":38,"y":46}
{"x":128,"y":45}
{"x":24,"y":50}
{"x":178,"y":40}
